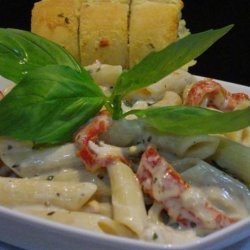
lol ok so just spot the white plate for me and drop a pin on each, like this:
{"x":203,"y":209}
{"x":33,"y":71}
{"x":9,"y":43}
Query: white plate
{"x":34,"y":233}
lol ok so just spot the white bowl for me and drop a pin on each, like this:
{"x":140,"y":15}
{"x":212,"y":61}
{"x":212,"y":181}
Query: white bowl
{"x":31,"y":232}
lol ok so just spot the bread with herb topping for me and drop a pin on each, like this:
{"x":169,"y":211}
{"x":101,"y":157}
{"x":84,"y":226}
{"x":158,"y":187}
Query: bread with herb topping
{"x":153,"y":26}
{"x":115,"y":32}
{"x":104,"y":32}
{"x":57,"y":20}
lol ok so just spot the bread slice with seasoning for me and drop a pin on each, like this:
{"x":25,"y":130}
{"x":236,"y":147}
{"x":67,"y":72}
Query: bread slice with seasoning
{"x":153,"y":26}
{"x":58,"y":21}
{"x":116,"y":32}
{"x":104,"y":32}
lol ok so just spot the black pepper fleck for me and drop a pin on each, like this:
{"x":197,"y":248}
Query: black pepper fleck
{"x":193,"y":225}
{"x":50,"y":178}
{"x":151,"y":45}
{"x":98,"y":69}
{"x":15,"y":166}
{"x":50,"y":213}
{"x":100,"y":176}
{"x":66,"y":20}
{"x":60,"y":15}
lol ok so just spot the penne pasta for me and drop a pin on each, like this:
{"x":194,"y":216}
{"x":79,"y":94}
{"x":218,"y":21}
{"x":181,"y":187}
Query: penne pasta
{"x":103,"y":208}
{"x":70,"y":196}
{"x":234,"y":158}
{"x":27,"y":162}
{"x":241,"y":136}
{"x":90,"y":221}
{"x":226,"y":194}
{"x":170,"y":98}
{"x":127,"y":199}
{"x":78,"y":175}
{"x":104,"y":74}
{"x":121,"y":177}
{"x":176,"y":82}
{"x":201,"y":146}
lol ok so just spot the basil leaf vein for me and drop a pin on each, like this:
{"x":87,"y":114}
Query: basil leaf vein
{"x":22,"y":51}
{"x":49,"y":104}
{"x":187,"y":120}
{"x":159,"y":64}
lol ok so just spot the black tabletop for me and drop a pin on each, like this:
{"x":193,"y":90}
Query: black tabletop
{"x":226,"y":60}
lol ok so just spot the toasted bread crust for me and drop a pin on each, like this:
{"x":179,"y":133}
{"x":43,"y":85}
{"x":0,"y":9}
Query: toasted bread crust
{"x":57,"y":20}
{"x":153,"y":26}
{"x":116,"y":32}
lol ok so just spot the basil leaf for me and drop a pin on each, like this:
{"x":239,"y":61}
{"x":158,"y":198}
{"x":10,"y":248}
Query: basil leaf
{"x":22,"y":51}
{"x":187,"y":120}
{"x":49,"y":104}
{"x":157,"y":65}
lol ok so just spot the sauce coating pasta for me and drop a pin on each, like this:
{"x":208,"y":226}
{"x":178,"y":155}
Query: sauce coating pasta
{"x":121,"y":178}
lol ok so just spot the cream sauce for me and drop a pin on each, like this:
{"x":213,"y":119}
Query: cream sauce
{"x":163,"y":234}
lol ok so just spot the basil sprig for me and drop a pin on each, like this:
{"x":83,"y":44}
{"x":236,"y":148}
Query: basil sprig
{"x":49,"y":104}
{"x":21,"y":51}
{"x":186,"y":120}
{"x":55,"y":95}
{"x":157,"y":65}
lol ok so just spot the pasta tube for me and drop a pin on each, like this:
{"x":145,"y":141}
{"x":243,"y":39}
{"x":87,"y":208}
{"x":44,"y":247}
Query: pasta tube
{"x":223,"y":192}
{"x":127,"y":198}
{"x":70,"y":196}
{"x":201,"y":146}
{"x":96,"y":207}
{"x":235,"y":158}
{"x":89,"y":221}
{"x":78,"y":175}
{"x":27,"y":162}
{"x":241,"y":136}
{"x":104,"y":74}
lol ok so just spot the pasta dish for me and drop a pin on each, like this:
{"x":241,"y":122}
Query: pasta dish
{"x":167,"y":181}
{"x":183,"y":197}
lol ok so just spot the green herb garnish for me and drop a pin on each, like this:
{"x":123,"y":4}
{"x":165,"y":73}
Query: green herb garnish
{"x":159,"y":64}
{"x":55,"y":95}
{"x":49,"y":104}
{"x":155,"y":236}
{"x":186,"y":120}
{"x":21,"y":51}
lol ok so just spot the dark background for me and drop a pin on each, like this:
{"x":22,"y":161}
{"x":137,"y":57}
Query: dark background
{"x":228,"y":59}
